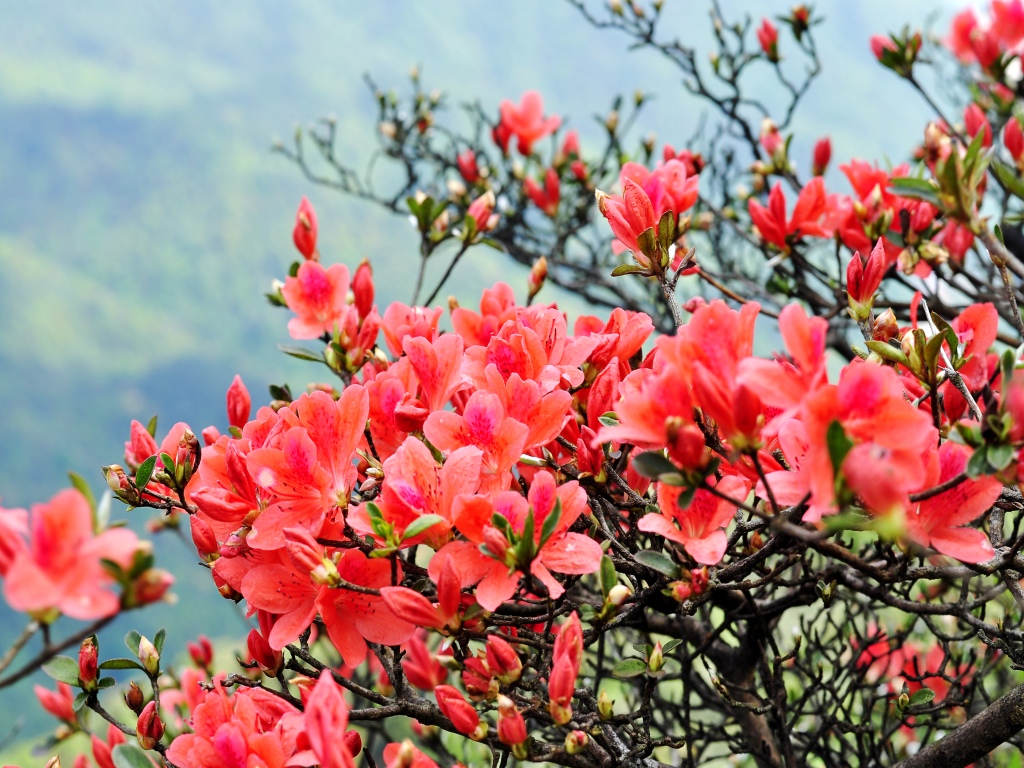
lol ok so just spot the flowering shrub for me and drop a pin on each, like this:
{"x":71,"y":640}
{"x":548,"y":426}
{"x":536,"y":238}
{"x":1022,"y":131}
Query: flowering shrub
{"x":499,"y":531}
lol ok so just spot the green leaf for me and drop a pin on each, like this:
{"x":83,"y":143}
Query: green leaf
{"x":647,"y":242}
{"x":653,"y":464}
{"x":922,"y":696}
{"x":547,"y":529}
{"x":887,"y":352}
{"x":667,"y":230}
{"x":83,"y":488}
{"x":282,"y":392}
{"x":1000,"y":456}
{"x":151,"y":426}
{"x":120,"y":664}
{"x":627,"y":269}
{"x":838,"y":445}
{"x":525,"y":548}
{"x":684,"y":499}
{"x":79,"y":701}
{"x":167,"y":461}
{"x":421,"y":524}
{"x":63,"y":669}
{"x":1011,"y":180}
{"x":105,"y":682}
{"x":129,"y":755}
{"x":302,"y":353}
{"x":145,"y":472}
{"x":658,"y":561}
{"x":977,"y":465}
{"x":132,"y":640}
{"x":917,"y":189}
{"x":670,"y":646}
{"x":629,"y":668}
{"x":673,"y":478}
{"x":610,"y":419}
{"x":932,"y":349}
{"x":158,"y":640}
{"x":608,"y":576}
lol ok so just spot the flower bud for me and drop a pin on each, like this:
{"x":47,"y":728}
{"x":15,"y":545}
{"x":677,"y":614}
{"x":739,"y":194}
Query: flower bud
{"x":618,"y":595}
{"x":657,"y":658}
{"x":512,"y":727}
{"x":1013,"y":138}
{"x":502,"y":660}
{"x":305,"y":231}
{"x":201,"y":652}
{"x":362,"y":288}
{"x":53,"y":762}
{"x":239,"y":403}
{"x":497,"y":544}
{"x":886,"y":326}
{"x":822,"y":155}
{"x":134,"y":697}
{"x":478,"y":680}
{"x":150,"y":586}
{"x":186,"y":459}
{"x":768,"y":37}
{"x":462,"y":714}
{"x":576,"y":742}
{"x":204,"y":539}
{"x":410,"y":414}
{"x":149,"y":656}
{"x":605,"y":705}
{"x":88,"y":663}
{"x":121,"y":486}
{"x":353,"y":742}
{"x":976,"y":122}
{"x":467,"y":165}
{"x":480,"y":211}
{"x":538,"y":273}
{"x":150,"y":728}
{"x":270,"y":661}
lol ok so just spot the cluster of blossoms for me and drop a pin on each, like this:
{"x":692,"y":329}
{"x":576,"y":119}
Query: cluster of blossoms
{"x":455,"y":528}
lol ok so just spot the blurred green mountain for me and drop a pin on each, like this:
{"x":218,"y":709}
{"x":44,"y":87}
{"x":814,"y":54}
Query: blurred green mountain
{"x":142,"y":215}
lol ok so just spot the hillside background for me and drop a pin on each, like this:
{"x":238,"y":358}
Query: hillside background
{"x":142,"y":214}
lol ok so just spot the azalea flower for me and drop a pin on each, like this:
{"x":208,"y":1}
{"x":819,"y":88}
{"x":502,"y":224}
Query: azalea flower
{"x":61,"y":570}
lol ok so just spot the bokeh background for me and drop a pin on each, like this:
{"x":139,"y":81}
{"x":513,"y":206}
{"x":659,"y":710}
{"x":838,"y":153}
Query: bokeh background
{"x":142,"y":214}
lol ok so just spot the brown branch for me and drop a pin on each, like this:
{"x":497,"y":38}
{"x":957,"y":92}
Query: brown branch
{"x":975,"y":738}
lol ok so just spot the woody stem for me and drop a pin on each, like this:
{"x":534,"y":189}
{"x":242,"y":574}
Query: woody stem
{"x":670,"y":299}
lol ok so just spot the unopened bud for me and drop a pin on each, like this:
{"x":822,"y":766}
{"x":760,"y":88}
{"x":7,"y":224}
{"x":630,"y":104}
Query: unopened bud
{"x":502,"y":660}
{"x":618,"y":594}
{"x":88,"y":663}
{"x":605,"y":705}
{"x":204,"y":539}
{"x":657,"y":659}
{"x":497,"y":544}
{"x":886,"y":327}
{"x":201,"y":652}
{"x":538,"y":273}
{"x":576,"y":742}
{"x":121,"y":486}
{"x":150,"y":586}
{"x":134,"y":697}
{"x":150,"y":728}
{"x":149,"y":656}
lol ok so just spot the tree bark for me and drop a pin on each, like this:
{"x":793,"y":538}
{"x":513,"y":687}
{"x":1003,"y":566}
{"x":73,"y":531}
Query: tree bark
{"x":975,"y":738}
